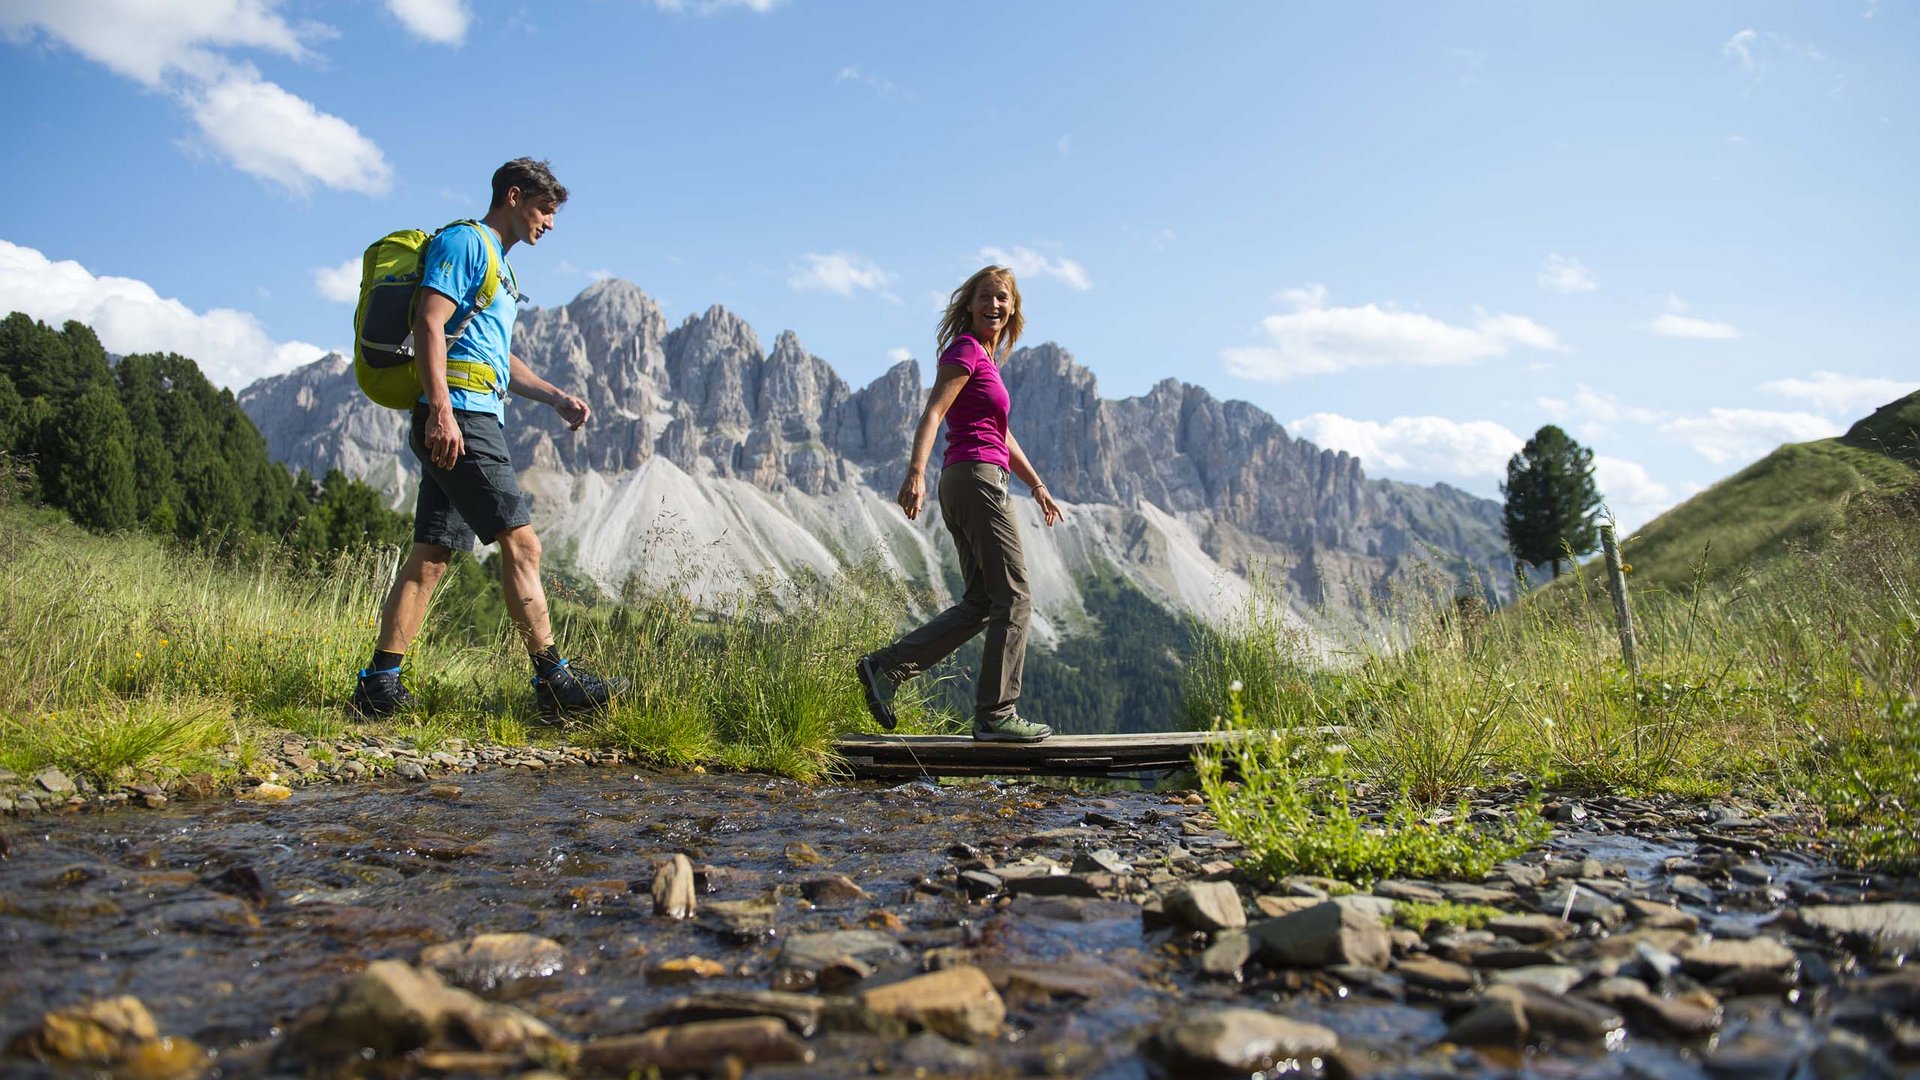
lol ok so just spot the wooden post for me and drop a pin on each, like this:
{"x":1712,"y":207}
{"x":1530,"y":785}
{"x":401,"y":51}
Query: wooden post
{"x":1622,"y":614}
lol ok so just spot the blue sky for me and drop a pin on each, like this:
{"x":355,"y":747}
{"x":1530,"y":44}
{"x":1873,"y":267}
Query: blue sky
{"x":1412,"y":231}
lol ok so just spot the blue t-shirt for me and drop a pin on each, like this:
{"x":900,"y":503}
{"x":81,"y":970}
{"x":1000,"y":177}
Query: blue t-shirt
{"x":454,"y":266}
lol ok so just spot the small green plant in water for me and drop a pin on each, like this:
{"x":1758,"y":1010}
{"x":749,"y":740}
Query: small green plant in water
{"x":1283,"y":794}
{"x":1420,"y":917}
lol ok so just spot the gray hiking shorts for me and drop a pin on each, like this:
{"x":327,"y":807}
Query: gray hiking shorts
{"x":479,"y":497}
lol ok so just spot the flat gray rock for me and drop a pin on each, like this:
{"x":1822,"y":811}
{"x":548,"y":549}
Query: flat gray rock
{"x":1236,"y":1040}
{"x":1325,"y":934}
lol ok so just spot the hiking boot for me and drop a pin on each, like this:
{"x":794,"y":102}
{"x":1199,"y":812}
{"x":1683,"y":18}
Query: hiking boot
{"x":571,"y":688}
{"x":379,"y":694}
{"x":1009,"y":729}
{"x":879,"y":690}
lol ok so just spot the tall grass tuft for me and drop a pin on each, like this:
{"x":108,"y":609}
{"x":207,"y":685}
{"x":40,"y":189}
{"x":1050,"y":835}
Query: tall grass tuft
{"x":1799,"y":677}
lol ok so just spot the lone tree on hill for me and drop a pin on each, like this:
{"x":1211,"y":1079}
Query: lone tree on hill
{"x":1551,"y":500}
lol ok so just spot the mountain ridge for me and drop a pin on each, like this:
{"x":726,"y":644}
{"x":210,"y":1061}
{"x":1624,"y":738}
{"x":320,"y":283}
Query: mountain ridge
{"x":772,"y":461}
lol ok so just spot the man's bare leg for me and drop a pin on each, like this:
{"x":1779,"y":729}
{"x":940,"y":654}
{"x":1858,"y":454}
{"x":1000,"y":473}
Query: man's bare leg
{"x":520,"y":583}
{"x":406,"y":605}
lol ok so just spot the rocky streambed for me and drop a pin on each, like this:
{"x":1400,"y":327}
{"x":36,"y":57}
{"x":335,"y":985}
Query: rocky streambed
{"x":613,"y":921}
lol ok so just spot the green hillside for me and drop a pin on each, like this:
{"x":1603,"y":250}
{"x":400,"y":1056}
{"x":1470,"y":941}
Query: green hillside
{"x":1798,"y":493}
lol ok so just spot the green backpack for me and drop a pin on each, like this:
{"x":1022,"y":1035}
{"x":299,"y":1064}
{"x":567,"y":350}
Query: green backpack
{"x":390,"y":274}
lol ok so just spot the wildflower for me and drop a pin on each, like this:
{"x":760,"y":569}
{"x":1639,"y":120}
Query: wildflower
{"x":138,"y":655}
{"x":163,"y":643}
{"x":1234,"y":687}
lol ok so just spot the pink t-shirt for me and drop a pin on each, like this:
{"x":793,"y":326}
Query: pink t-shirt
{"x":977,"y":421}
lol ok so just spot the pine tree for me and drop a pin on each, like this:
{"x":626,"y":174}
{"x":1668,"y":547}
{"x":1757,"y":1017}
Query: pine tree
{"x":1551,"y":500}
{"x":90,"y":457}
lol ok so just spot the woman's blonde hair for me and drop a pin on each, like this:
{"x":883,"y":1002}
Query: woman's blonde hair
{"x":959,"y":317}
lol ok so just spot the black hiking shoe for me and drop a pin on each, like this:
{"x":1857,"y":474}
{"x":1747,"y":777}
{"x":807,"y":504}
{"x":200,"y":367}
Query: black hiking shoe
{"x":879,"y":690}
{"x":570,"y":689}
{"x":379,"y":694}
{"x":1009,"y":729}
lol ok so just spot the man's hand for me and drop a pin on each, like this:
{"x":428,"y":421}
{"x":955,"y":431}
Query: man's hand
{"x":913,"y":494}
{"x":573,"y":411}
{"x":444,"y":442}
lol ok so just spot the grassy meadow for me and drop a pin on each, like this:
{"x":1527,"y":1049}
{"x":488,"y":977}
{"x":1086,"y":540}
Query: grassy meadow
{"x":1778,"y":616}
{"x":1795,"y":681}
{"x":123,"y":654}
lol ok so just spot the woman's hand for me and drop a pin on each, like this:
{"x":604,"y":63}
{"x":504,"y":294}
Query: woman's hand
{"x":913,"y":493}
{"x":1049,"y":510}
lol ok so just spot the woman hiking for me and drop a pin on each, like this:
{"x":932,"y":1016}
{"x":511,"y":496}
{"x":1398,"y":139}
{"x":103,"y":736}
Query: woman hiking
{"x":982,"y":322}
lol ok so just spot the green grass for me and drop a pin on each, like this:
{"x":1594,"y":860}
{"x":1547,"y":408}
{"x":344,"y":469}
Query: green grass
{"x":1798,"y":681}
{"x":122,"y":654}
{"x":1794,"y":496}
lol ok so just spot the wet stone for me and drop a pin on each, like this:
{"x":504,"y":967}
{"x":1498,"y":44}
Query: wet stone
{"x":1495,"y":1021}
{"x":1892,"y":927}
{"x":1236,"y":1040}
{"x":1753,"y":1054}
{"x":804,"y":956}
{"x":1207,"y":906}
{"x":1327,"y":933}
{"x":1440,"y":975}
{"x":1658,"y":916}
{"x":672,"y":888}
{"x":1415,"y":891}
{"x":1103,"y":861}
{"x":958,"y":1002}
{"x":685,"y":969}
{"x":1717,"y":958}
{"x":1553,"y":978}
{"x":978,"y":884}
{"x":1275,"y":906}
{"x":800,"y":1012}
{"x":1688,"y":887}
{"x":1227,"y":955}
{"x":743,"y":920}
{"x":1554,"y":1014}
{"x":1464,"y":893}
{"x":99,"y":1032}
{"x":1081,"y":885}
{"x":1531,"y":929}
{"x":927,"y":1052}
{"x":1578,"y":904}
{"x":410,"y":771}
{"x":696,"y":1047}
{"x":54,"y":782}
{"x":832,"y":891}
{"x":1524,"y":875}
{"x":497,"y":965}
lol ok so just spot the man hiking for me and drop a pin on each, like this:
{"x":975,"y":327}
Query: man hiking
{"x":468,"y":488}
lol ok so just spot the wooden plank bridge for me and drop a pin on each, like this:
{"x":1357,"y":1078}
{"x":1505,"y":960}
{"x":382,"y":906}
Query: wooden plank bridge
{"x":896,"y":756}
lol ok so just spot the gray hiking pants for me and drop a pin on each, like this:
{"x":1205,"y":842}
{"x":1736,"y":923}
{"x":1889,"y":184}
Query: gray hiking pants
{"x":978,"y":510}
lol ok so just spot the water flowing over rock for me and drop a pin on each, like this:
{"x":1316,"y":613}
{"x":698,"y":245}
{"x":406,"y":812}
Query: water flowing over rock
{"x":768,"y":458}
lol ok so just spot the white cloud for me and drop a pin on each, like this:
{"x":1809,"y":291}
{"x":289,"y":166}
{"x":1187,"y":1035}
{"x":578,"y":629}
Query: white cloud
{"x":179,"y":47}
{"x":1592,"y":414}
{"x":842,"y":273}
{"x":1844,"y":395}
{"x":1315,"y":339}
{"x":1740,"y":47}
{"x":1742,"y":435}
{"x":231,"y":346}
{"x":1630,"y":492}
{"x":899,"y":353}
{"x":1425,"y":446}
{"x":1064,"y":144}
{"x":1026,"y":262}
{"x":879,"y":84}
{"x":340,"y":284}
{"x":443,"y":22}
{"x":710,"y":7}
{"x":1686,"y":326}
{"x":1566,"y":275}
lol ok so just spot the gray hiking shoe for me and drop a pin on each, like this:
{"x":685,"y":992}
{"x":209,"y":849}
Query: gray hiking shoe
{"x":1009,"y":729}
{"x":878,"y":688}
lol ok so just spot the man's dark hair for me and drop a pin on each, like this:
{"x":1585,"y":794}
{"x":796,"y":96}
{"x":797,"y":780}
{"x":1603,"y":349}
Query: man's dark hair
{"x":533,"y":178}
